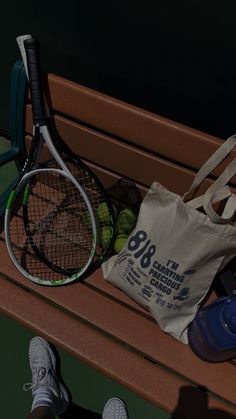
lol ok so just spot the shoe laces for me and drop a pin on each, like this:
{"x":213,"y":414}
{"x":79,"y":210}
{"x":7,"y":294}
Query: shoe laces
{"x":38,"y":379}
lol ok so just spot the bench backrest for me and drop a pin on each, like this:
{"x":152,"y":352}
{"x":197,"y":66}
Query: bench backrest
{"x":121,"y":140}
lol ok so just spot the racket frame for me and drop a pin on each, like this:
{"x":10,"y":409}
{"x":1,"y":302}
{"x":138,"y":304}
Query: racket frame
{"x":23,"y":182}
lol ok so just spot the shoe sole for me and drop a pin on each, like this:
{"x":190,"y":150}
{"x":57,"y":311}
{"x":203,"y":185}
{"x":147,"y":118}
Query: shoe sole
{"x":120,"y":401}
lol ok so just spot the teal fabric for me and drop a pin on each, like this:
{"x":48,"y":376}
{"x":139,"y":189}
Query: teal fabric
{"x":12,"y":153}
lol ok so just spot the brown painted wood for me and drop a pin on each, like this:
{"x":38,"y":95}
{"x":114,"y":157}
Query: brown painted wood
{"x":116,"y":155}
{"x":93,"y":320}
{"x":107,"y":177}
{"x":125,"y":160}
{"x":128,"y":324}
{"x":97,"y":350}
{"x":145,"y":129}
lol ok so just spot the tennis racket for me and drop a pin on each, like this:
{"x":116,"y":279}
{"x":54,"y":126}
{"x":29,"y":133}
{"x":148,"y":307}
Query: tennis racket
{"x":99,"y":199}
{"x":52,"y":235}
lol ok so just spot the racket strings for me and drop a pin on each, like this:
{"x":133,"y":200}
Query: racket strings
{"x":99,"y":203}
{"x":50,"y":227}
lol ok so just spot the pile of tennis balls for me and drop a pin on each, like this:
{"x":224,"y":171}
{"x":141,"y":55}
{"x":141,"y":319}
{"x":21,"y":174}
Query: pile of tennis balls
{"x":125,"y":221}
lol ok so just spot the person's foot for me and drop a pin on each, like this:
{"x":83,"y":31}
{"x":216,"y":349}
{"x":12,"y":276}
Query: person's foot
{"x":115,"y":409}
{"x":47,"y":389}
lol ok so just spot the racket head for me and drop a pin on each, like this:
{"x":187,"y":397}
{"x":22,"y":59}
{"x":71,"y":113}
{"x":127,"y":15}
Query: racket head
{"x":48,"y":228}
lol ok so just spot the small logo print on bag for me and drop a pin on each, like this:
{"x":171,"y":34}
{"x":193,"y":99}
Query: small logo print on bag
{"x":183,"y":295}
{"x":147,"y":291}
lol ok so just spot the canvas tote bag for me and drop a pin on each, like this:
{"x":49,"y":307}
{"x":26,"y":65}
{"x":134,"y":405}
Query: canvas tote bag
{"x":175,"y":250}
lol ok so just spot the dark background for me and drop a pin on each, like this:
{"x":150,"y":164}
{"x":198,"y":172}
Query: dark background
{"x":175,"y":58}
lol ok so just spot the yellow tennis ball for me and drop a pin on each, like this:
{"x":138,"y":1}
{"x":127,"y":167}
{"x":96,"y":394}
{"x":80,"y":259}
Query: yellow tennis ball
{"x":106,"y":235}
{"x":120,"y":242}
{"x":126,"y":221}
{"x":103,"y":213}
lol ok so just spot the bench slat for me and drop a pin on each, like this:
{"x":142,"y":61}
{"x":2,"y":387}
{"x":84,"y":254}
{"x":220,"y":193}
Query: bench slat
{"x":124,"y":159}
{"x":145,"y":129}
{"x":123,"y":324}
{"x":97,"y":350}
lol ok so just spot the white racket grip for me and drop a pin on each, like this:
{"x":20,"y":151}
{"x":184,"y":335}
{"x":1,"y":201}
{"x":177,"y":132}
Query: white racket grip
{"x":20,"y":41}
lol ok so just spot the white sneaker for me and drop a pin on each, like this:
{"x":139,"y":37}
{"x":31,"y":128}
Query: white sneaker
{"x":44,"y":377}
{"x":115,"y":409}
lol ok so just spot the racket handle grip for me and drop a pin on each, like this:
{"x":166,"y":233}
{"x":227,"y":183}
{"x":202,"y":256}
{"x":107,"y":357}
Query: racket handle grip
{"x":35,"y":81}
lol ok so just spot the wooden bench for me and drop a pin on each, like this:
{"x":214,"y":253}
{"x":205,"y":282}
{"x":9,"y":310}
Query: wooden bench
{"x":92,"y":320}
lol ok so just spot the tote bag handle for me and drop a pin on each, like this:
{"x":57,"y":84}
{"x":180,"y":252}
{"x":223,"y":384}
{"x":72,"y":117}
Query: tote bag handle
{"x":215,"y":159}
{"x":219,"y":189}
{"x":212,"y":192}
